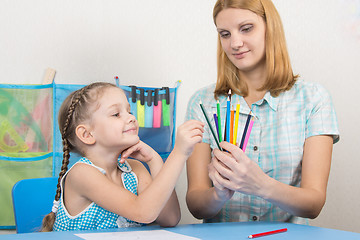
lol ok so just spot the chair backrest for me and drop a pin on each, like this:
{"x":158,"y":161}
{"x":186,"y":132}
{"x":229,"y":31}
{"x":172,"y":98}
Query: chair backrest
{"x":32,"y":200}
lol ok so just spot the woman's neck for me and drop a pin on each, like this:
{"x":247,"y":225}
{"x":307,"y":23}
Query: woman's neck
{"x":254,"y":80}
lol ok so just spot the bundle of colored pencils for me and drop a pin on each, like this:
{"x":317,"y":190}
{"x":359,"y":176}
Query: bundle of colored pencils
{"x":231,"y":124}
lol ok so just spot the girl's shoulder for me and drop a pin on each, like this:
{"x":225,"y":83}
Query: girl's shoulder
{"x":86,"y":164}
{"x":82,"y":169}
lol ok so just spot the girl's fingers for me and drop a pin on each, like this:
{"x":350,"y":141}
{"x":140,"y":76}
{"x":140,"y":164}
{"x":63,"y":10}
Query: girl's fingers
{"x":127,"y":152}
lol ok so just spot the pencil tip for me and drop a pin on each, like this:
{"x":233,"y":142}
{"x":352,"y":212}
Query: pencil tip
{"x":229,"y":92}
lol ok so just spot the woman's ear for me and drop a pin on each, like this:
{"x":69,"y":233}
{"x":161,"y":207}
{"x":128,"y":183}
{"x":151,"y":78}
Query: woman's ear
{"x":84,"y":134}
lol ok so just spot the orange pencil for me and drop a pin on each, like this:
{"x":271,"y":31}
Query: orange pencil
{"x":232,"y":124}
{"x":236,"y":122}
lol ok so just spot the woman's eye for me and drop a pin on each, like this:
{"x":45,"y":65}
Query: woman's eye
{"x":224,"y":34}
{"x":246,"y":28}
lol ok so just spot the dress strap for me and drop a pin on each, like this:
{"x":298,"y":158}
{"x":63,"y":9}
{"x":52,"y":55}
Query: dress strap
{"x":128,"y":177}
{"x":87,"y":161}
{"x":125,"y":167}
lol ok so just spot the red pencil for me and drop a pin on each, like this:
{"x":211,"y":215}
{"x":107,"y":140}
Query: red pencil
{"x":268,"y":233}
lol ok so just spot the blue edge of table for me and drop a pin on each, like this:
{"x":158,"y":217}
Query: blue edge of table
{"x":234,"y":230}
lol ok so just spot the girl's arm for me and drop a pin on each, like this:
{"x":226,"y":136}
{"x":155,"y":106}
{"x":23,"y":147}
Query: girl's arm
{"x":203,"y":200}
{"x":170,"y":215}
{"x":146,"y":207}
{"x":243,"y":175}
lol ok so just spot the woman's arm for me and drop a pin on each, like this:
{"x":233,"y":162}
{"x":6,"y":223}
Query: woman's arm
{"x":237,"y":172}
{"x":203,"y":200}
{"x":308,"y":200}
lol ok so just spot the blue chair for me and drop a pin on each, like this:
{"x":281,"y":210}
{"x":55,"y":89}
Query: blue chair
{"x":32,"y":200}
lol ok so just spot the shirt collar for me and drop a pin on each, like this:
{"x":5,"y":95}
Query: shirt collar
{"x":272,"y":101}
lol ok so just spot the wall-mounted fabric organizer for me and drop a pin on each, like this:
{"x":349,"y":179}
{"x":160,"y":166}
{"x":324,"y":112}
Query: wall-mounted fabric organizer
{"x":30,"y":140}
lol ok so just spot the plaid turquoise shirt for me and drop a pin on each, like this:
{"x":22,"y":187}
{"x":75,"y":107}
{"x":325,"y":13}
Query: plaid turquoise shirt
{"x":281,"y":126}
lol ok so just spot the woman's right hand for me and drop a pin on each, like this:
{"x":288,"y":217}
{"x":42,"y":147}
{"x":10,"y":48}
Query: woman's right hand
{"x":188,"y":134}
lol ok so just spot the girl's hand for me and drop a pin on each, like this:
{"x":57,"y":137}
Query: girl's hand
{"x":140,"y":151}
{"x":222,"y":193}
{"x":188,"y":134}
{"x":235,"y":171}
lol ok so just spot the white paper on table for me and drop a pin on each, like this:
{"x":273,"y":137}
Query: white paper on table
{"x":136,"y":235}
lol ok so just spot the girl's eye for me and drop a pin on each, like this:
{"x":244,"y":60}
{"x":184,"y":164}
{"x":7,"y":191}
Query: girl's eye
{"x":116,"y":115}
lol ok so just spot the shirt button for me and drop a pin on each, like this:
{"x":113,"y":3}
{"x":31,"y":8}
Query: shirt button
{"x":254,"y":218}
{"x":255,"y":148}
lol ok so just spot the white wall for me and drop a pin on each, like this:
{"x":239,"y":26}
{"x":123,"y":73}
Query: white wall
{"x":155,"y":43}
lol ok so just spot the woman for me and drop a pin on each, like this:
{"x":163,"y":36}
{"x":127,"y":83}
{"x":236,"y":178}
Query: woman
{"x":283,"y":174}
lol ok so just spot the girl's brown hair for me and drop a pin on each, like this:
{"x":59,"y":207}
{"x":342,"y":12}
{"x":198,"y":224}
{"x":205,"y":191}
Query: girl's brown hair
{"x":73,"y":111}
{"x":280,"y":76}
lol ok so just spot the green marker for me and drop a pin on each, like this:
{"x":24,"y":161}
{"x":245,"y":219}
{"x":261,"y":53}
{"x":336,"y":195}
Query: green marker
{"x":166,"y":107}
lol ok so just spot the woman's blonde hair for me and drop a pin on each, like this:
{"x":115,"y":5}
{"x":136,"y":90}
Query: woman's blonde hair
{"x":75,"y":109}
{"x":280,"y":76}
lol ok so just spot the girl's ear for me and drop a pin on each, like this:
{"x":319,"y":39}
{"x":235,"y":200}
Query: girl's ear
{"x":85,"y":136}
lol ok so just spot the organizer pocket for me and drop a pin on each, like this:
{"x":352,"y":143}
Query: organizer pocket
{"x":15,"y":167}
{"x":154,"y":108}
{"x":26,"y":139}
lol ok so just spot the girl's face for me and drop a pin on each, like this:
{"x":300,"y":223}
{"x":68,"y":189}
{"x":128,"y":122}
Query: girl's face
{"x":242,"y":36}
{"x":113,"y":125}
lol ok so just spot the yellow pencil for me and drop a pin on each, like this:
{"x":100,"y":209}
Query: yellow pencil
{"x":236,"y":122}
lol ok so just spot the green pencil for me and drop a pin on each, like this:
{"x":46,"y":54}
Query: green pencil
{"x":208,"y":122}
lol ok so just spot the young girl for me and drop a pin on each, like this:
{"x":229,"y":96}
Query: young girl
{"x":283,"y":173}
{"x":102,"y":190}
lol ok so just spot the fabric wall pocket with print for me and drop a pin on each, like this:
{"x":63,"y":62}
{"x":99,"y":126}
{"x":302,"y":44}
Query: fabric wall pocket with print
{"x":26,"y":140}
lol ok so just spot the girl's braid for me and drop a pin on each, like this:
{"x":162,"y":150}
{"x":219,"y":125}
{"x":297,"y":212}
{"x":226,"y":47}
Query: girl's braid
{"x":66,"y":148}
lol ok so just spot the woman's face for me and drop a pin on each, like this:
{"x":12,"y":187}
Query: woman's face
{"x":242,"y":36}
